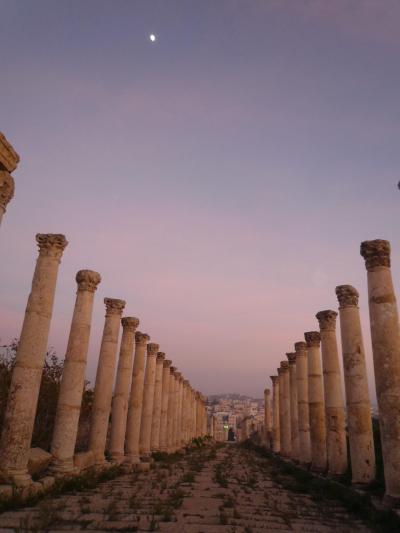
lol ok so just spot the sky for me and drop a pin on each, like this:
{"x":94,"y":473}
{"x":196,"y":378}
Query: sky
{"x":220,"y":180}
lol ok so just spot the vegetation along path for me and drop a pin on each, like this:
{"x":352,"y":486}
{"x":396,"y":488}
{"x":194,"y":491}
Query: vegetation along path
{"x":210,"y":489}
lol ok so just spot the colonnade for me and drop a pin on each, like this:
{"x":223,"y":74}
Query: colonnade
{"x":152,"y":406}
{"x":311,"y":416}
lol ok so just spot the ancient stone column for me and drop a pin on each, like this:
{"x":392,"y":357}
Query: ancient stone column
{"x":164,"y":405}
{"x":185,"y":411}
{"x":197,"y":415}
{"x":27,"y":373}
{"x":156,"y":419}
{"x":316,"y":402}
{"x":294,"y":417}
{"x":119,"y":412}
{"x":171,"y":410}
{"x":178,"y":408}
{"x":9,"y":160}
{"x":267,"y":418}
{"x":73,"y":376}
{"x":334,"y":403}
{"x":359,"y":421}
{"x":148,"y":400}
{"x":276,"y":440}
{"x":132,"y":453}
{"x":284,"y":405}
{"x":104,"y":379}
{"x":385,"y":335}
{"x":302,"y":403}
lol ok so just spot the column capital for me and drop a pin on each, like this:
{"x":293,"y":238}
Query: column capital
{"x":280,"y":371}
{"x":141,"y":338}
{"x":267,"y":392}
{"x":284,"y":366}
{"x":313,"y":338}
{"x":327,"y":319}
{"x":152,"y":348}
{"x":7,"y":188}
{"x":347,"y":296}
{"x":87,"y":280}
{"x":167,"y":363}
{"x":291,"y":357}
{"x":376,"y":253}
{"x":9,"y":158}
{"x":51,"y":244}
{"x":130,"y":323}
{"x":274,"y":379}
{"x":300,"y":348}
{"x":114,"y":306}
{"x":185,"y":383}
{"x":172,"y":369}
{"x":160,"y":358}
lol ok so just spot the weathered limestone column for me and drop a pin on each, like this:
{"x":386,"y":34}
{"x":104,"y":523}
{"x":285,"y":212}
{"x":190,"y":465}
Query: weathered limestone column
{"x":171,"y":410}
{"x":267,"y":418}
{"x":286,"y":449}
{"x":73,"y":376}
{"x":316,"y":402}
{"x":148,"y":400}
{"x":9,"y":160}
{"x":180,"y":434}
{"x":178,"y":408}
{"x":132,"y":453}
{"x":359,"y":422}
{"x":164,"y":405}
{"x":120,"y":400}
{"x":185,"y":412}
{"x":105,"y":379}
{"x":27,"y":373}
{"x":276,"y":434}
{"x":294,"y":416}
{"x":197,"y":415}
{"x":156,"y":419}
{"x":334,"y":403}
{"x":302,"y":403}
{"x":385,"y":335}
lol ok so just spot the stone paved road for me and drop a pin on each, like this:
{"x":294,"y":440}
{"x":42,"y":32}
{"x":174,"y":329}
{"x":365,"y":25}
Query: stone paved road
{"x":229,"y":489}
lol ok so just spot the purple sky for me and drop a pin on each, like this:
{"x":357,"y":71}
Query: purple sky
{"x":220,"y":180}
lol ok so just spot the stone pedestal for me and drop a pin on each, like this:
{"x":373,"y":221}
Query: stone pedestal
{"x":164,"y":405}
{"x":316,"y":402}
{"x":302,"y":403}
{"x":105,"y":379}
{"x":267,"y":418}
{"x":73,"y":376}
{"x":156,"y":420}
{"x":294,"y":417}
{"x":132,"y":454}
{"x":276,"y":440}
{"x":284,"y":406}
{"x":120,"y":400}
{"x":359,"y":420}
{"x":27,"y":373}
{"x":148,"y":400}
{"x":333,"y":394}
{"x":171,"y":411}
{"x":9,"y":160}
{"x":385,"y":335}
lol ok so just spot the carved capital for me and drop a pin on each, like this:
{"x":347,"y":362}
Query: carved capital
{"x":375,"y":253}
{"x":285,"y":366}
{"x":160,"y":358}
{"x":275,"y":380}
{"x":130,"y":323}
{"x":87,"y":280}
{"x":152,"y":348}
{"x":300,"y":348}
{"x":9,"y":158}
{"x":141,"y":338}
{"x":313,"y":338}
{"x":347,"y":296}
{"x":291,"y":357}
{"x":172,"y":369}
{"x":7,"y":188}
{"x":177,"y":374}
{"x":185,"y":383}
{"x":114,"y":306}
{"x":327,"y":319}
{"x":51,"y":244}
{"x":167,"y":363}
{"x":267,"y":392}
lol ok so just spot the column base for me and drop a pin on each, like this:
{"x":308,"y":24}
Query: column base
{"x":60,"y":467}
{"x":117,"y":458}
{"x":18,"y":477}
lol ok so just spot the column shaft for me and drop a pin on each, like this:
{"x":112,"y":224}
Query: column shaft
{"x":156,"y":420}
{"x":164,"y":405}
{"x":267,"y":418}
{"x":276,"y":440}
{"x":285,"y":423}
{"x":302,"y":403}
{"x":294,"y":417}
{"x":148,"y":400}
{"x":171,"y":410}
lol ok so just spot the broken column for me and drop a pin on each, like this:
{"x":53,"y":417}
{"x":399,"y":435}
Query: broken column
{"x":316,"y":402}
{"x":359,"y":421}
{"x":27,"y":372}
{"x":302,"y":403}
{"x":9,"y":160}
{"x":385,"y":335}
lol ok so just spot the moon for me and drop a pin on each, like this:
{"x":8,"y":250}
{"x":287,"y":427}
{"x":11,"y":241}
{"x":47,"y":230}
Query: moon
{"x":152,"y":37}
